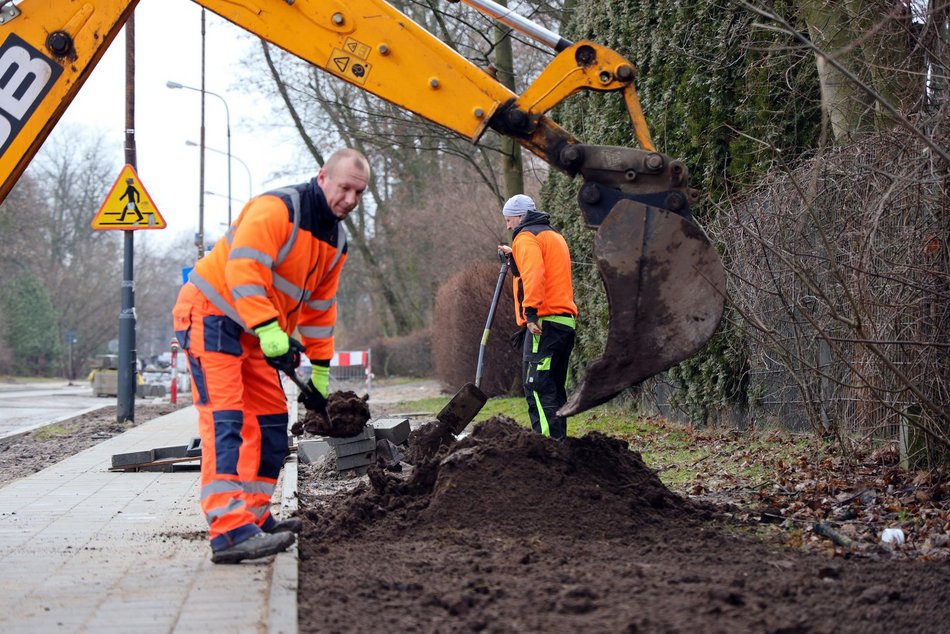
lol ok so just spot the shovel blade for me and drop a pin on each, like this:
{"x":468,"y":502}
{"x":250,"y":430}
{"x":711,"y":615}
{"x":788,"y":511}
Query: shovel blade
{"x":464,"y":406}
{"x":666,"y":289}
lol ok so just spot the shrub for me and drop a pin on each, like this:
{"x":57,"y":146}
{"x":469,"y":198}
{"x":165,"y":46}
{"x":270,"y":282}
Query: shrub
{"x":461,"y":309}
{"x":408,"y":355}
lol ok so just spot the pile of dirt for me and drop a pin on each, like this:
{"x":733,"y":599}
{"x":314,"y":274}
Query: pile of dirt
{"x":348,"y":412}
{"x":507,"y":531}
{"x":591,"y":486}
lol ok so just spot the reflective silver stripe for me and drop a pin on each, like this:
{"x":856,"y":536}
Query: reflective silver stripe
{"x":316,"y":332}
{"x":286,"y":286}
{"x":321,"y":304}
{"x":325,"y":304}
{"x":250,"y":253}
{"x":230,"y":507}
{"x":248,"y":290}
{"x":241,"y":486}
{"x":220,"y":486}
{"x":260,"y":487}
{"x":215,"y":297}
{"x":230,"y":234}
{"x":258,"y":511}
{"x":294,"y":196}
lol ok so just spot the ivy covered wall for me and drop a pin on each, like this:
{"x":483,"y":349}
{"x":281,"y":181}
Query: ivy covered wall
{"x":719,"y":93}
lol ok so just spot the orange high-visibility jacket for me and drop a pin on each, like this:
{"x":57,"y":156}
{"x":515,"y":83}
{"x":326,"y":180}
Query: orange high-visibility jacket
{"x":541,"y":270}
{"x":281,"y":259}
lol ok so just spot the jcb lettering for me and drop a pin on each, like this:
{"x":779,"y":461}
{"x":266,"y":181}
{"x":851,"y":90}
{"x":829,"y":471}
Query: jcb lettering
{"x":26,"y":75}
{"x":21,"y":79}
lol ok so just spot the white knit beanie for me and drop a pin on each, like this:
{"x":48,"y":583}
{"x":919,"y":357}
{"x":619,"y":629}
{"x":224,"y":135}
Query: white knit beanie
{"x":518,"y":205}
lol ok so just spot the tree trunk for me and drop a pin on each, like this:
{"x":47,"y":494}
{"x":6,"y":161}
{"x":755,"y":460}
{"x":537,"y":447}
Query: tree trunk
{"x":512,"y":167}
{"x":831,"y":26}
{"x":891,"y":54}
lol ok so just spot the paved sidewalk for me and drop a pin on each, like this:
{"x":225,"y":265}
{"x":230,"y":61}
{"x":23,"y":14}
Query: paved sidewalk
{"x":83,"y":549}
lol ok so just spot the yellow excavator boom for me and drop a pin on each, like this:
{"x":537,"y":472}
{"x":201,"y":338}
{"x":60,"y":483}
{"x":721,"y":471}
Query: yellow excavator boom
{"x":49,"y":47}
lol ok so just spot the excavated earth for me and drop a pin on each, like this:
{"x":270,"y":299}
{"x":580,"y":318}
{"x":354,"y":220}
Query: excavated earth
{"x":506,"y":531}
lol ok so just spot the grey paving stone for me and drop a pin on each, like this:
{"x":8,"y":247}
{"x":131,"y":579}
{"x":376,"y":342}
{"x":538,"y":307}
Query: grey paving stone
{"x":368,"y":432}
{"x":310,"y":450}
{"x":352,"y":448}
{"x":395,"y":430}
{"x":358,"y":460}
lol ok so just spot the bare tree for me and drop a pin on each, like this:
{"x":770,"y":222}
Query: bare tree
{"x":433,"y":199}
{"x":46,"y":232}
{"x":840,"y":266}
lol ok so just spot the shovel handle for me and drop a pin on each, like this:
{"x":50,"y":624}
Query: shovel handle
{"x":502,"y":272}
{"x":303,"y":387}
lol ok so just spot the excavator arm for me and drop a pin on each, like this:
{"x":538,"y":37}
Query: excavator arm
{"x":663,"y":278}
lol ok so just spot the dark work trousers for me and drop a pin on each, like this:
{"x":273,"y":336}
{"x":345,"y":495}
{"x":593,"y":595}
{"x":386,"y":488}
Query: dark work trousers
{"x":545,"y":374}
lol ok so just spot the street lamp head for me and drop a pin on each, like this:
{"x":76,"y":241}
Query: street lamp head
{"x":191,"y":143}
{"x":174,"y":84}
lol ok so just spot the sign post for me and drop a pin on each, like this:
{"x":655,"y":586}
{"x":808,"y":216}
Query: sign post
{"x":70,"y":340}
{"x":174,"y":385}
{"x":128,"y":207}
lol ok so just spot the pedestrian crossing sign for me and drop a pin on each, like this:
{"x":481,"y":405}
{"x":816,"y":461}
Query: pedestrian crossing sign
{"x":128,"y":206}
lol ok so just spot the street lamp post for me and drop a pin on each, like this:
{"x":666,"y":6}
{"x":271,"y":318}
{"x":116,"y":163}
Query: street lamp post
{"x":227,"y":114}
{"x":247,"y":170}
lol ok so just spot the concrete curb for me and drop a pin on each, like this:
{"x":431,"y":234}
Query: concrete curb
{"x":282,"y":602}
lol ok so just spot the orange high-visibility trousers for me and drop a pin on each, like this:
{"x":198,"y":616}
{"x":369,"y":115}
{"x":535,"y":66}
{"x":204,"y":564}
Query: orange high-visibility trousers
{"x":242,"y":419}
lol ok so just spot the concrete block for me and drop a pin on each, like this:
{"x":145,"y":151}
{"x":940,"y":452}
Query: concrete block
{"x":105,"y":383}
{"x":310,"y":450}
{"x":194,"y":447}
{"x":357,"y":471}
{"x":367,"y":433}
{"x":395,"y":430}
{"x":356,"y":460}
{"x":352,"y":448}
{"x":178,"y":451}
{"x":135,"y":457}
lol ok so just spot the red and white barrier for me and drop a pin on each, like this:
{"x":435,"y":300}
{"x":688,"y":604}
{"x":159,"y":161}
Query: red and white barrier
{"x":343,"y":359}
{"x":352,"y":365}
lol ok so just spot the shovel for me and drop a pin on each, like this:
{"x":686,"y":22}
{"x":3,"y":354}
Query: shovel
{"x":468,"y":401}
{"x":303,"y":387}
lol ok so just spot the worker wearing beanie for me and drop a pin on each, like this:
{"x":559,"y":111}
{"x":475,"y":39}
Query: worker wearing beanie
{"x":544,"y":306}
{"x":273,"y":274}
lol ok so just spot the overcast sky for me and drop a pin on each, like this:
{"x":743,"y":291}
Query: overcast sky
{"x":168,"y":47}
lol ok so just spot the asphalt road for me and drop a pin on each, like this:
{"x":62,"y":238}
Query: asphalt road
{"x":26,"y":406}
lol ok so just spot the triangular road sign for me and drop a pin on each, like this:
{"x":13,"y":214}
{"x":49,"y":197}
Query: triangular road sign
{"x":128,"y":206}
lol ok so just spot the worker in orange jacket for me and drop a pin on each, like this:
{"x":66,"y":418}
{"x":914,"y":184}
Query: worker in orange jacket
{"x":544,"y":306}
{"x":275,"y":272}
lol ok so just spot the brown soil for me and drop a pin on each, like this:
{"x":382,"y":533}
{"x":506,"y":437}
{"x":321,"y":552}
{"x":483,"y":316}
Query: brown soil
{"x":348,"y":412}
{"x":505,"y":531}
{"x":33,"y":451}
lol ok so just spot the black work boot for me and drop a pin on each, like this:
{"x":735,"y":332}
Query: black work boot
{"x":260,"y":545}
{"x":289,"y":525}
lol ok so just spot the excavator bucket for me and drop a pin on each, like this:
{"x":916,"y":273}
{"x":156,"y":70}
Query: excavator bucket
{"x":666,"y":289}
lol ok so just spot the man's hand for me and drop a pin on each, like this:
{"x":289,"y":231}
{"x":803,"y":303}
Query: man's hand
{"x":315,"y":398}
{"x":280,"y":350}
{"x":312,"y":399}
{"x":534,"y":328}
{"x":320,"y":378}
